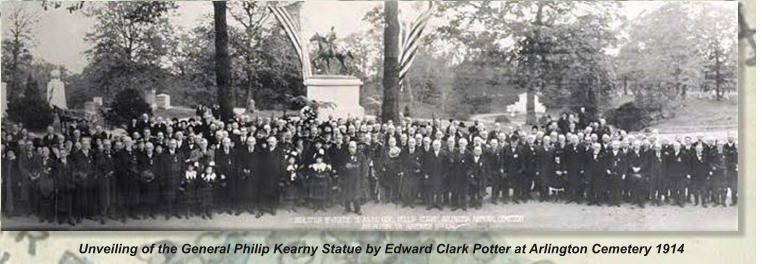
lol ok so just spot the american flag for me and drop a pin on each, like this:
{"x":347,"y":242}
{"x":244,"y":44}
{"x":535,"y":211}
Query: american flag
{"x":410,"y":40}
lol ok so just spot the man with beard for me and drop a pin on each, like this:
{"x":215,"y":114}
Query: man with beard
{"x":127,"y":169}
{"x":575,"y":166}
{"x":678,"y":168}
{"x":352,"y":172}
{"x":172,"y":165}
{"x":616,"y":180}
{"x":225,"y":160}
{"x":596,"y":169}
{"x":435,"y":167}
{"x":148,"y":166}
{"x":477,"y":171}
{"x":411,"y":173}
{"x":699,"y":173}
{"x":270,"y":171}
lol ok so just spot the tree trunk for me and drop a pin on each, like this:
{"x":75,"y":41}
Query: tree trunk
{"x":225,"y":96}
{"x":531,"y":115}
{"x":391,"y":104}
{"x":718,"y":80}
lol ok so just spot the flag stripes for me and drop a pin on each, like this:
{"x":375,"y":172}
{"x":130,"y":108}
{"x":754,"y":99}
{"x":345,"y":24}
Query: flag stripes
{"x":410,"y":41}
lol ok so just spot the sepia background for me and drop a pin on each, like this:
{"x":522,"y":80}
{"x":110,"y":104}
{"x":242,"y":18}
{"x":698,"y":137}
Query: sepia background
{"x":728,"y":247}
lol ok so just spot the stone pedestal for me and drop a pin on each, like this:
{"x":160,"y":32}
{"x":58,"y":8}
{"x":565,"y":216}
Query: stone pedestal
{"x":343,"y":91}
{"x":163,"y":101}
{"x":151,"y":99}
{"x":521,"y":105}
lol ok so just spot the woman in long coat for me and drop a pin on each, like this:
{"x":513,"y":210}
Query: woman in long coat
{"x":292,"y":183}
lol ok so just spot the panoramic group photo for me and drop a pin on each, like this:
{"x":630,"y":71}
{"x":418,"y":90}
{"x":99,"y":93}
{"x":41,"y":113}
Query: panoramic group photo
{"x":370,"y":115}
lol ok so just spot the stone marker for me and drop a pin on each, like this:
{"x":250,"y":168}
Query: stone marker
{"x":343,"y":91}
{"x":56,"y":95}
{"x":98,"y":101}
{"x":90,"y":108}
{"x":163,"y":101}
{"x":521,"y":105}
{"x":151,"y":99}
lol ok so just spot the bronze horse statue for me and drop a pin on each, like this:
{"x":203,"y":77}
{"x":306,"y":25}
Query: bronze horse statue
{"x":328,"y":51}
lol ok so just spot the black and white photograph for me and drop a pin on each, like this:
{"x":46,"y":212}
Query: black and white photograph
{"x":374,"y":115}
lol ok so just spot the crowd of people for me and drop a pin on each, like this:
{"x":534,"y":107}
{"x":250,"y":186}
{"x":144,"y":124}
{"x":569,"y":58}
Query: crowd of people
{"x":202,"y":166}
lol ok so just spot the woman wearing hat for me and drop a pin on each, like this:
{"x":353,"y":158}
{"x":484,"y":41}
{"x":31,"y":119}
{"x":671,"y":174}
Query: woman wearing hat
{"x":207,"y":185}
{"x":292,"y":182}
{"x":320,"y":174}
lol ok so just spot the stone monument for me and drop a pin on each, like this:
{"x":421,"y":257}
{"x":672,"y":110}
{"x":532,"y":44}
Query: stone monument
{"x":162,"y":101}
{"x":151,"y":99}
{"x":521,"y":105}
{"x":342,"y":91}
{"x":56,"y":95}
{"x":98,"y":101}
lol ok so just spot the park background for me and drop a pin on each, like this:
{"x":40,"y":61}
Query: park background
{"x":735,"y":247}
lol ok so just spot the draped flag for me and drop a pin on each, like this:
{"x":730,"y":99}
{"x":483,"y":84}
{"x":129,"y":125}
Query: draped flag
{"x":294,"y":33}
{"x":410,"y":39}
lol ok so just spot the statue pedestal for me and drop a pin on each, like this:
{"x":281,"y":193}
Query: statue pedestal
{"x":343,"y":91}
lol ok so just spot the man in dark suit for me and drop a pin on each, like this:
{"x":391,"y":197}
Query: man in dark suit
{"x":127,"y":175}
{"x":615,"y":184}
{"x":225,"y":160}
{"x":83,"y":166}
{"x":247,"y":189}
{"x":477,"y":172}
{"x":699,"y":173}
{"x":171,"y":175}
{"x":500,"y":187}
{"x":457,"y":182}
{"x":636,"y":165}
{"x":434,"y":169}
{"x":678,"y":165}
{"x":513,"y":163}
{"x":575,"y":165}
{"x":270,"y":170}
{"x":595,"y":170}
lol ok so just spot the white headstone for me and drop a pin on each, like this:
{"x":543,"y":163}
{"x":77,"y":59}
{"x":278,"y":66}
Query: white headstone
{"x":163,"y":101}
{"x":151,"y":98}
{"x":521,"y":105}
{"x":90,"y":108}
{"x":98,"y":101}
{"x":342,"y":91}
{"x":4,"y":98}
{"x":56,"y":95}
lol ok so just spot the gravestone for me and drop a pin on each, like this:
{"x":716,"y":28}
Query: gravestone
{"x":163,"y":101}
{"x":251,"y":107}
{"x":4,"y":98}
{"x":98,"y":101}
{"x":90,"y":108}
{"x":151,"y":99}
{"x":342,"y":91}
{"x":56,"y":95}
{"x":521,"y":105}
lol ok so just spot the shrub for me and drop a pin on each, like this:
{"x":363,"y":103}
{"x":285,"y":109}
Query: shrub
{"x":629,"y":116}
{"x":126,"y":105}
{"x":31,"y":110}
{"x":502,"y":119}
